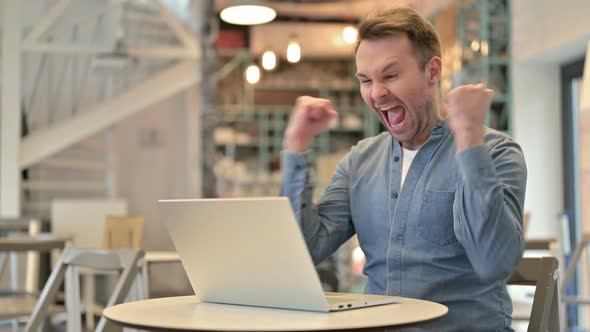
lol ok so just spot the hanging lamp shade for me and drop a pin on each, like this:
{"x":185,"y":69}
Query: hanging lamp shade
{"x":248,"y":12}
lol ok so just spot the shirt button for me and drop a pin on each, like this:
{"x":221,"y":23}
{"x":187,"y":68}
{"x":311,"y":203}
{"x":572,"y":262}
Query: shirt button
{"x":396,"y":159}
{"x":394,"y":195}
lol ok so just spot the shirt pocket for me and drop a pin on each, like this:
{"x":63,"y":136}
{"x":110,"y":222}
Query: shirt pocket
{"x":435,"y":223}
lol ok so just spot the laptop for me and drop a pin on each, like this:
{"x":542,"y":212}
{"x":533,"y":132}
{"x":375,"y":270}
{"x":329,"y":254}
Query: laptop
{"x":250,"y":251}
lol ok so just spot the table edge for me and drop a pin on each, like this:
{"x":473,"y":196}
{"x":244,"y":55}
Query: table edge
{"x":361,"y":329}
{"x":356,"y":329}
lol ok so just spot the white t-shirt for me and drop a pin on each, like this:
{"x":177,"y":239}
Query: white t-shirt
{"x":407,"y":158}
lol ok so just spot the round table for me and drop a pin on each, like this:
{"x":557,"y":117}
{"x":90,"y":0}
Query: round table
{"x":188,"y":313}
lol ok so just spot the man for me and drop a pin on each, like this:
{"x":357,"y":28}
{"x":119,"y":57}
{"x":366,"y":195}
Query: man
{"x":436,"y":202}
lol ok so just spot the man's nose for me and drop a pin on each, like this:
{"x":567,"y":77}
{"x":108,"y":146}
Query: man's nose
{"x":379,"y":91}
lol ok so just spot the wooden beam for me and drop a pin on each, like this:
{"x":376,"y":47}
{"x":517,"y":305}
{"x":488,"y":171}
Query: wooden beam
{"x":54,"y":13}
{"x":184,"y":36}
{"x":66,"y":48}
{"x":160,"y":86}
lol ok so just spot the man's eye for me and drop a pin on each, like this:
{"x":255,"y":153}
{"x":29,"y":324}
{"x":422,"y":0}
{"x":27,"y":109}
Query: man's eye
{"x":365,"y":81}
{"x":392,"y":76}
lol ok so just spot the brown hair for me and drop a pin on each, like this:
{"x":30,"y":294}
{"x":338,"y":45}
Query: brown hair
{"x":421,"y":33}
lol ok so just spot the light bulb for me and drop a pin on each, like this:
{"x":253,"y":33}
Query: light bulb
{"x":269,"y":60}
{"x":475,"y":45}
{"x":293,"y":52}
{"x":349,"y":35}
{"x":252,"y":74}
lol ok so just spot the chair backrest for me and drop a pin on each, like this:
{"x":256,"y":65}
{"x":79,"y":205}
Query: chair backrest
{"x":123,"y":261}
{"x":123,"y":232}
{"x":542,"y":273}
{"x":84,"y":219}
{"x":526,"y":220}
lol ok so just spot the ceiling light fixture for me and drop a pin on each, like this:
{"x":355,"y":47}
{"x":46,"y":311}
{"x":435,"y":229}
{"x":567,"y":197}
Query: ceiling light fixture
{"x":269,"y":60}
{"x":293,"y":51}
{"x":349,"y":34}
{"x":252,"y":74}
{"x":248,"y":12}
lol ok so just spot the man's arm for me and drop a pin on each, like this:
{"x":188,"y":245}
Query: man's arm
{"x":328,"y":225}
{"x":490,"y":194}
{"x":325,"y":226}
{"x":488,"y":207}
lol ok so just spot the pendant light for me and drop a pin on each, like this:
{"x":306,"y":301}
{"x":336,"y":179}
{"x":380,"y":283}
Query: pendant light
{"x":293,"y":50}
{"x":349,"y":34}
{"x":252,"y":74}
{"x":248,"y":12}
{"x":269,"y":60}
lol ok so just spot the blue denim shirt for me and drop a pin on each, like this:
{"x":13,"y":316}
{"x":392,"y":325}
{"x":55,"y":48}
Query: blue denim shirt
{"x":452,"y":234}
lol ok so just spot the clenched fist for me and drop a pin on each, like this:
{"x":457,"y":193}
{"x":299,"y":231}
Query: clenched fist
{"x":467,"y":108}
{"x":311,"y":116}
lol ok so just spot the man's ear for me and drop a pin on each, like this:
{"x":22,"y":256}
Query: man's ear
{"x":433,"y":69}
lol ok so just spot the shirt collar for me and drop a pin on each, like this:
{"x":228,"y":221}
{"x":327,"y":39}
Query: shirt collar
{"x":441,"y":127}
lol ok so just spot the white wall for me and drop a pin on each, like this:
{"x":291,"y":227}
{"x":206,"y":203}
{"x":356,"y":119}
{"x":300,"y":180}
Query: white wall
{"x":537,"y":128}
{"x":549,"y":30}
{"x":546,"y":34}
{"x":157,"y":154}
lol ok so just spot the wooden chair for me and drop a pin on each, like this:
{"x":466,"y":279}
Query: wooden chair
{"x":123,"y":232}
{"x":542,"y":273}
{"x":126,"y":232}
{"x":120,"y":232}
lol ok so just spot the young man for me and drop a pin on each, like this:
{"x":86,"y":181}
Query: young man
{"x":436,"y":201}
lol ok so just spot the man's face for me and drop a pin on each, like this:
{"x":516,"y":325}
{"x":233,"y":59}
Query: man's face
{"x":396,"y":88}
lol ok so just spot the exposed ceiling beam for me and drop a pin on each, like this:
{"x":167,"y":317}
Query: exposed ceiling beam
{"x":167,"y":53}
{"x":184,"y":36}
{"x":54,"y":13}
{"x":66,"y":48}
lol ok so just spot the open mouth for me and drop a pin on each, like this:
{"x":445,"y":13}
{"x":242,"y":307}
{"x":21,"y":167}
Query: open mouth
{"x":393,"y":115}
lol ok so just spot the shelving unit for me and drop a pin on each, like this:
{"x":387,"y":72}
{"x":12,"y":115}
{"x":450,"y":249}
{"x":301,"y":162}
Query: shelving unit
{"x":483,"y":32}
{"x":250,"y":137}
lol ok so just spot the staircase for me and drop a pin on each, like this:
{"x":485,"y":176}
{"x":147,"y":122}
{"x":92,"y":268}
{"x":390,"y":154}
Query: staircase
{"x":87,"y":65}
{"x":85,"y":170}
